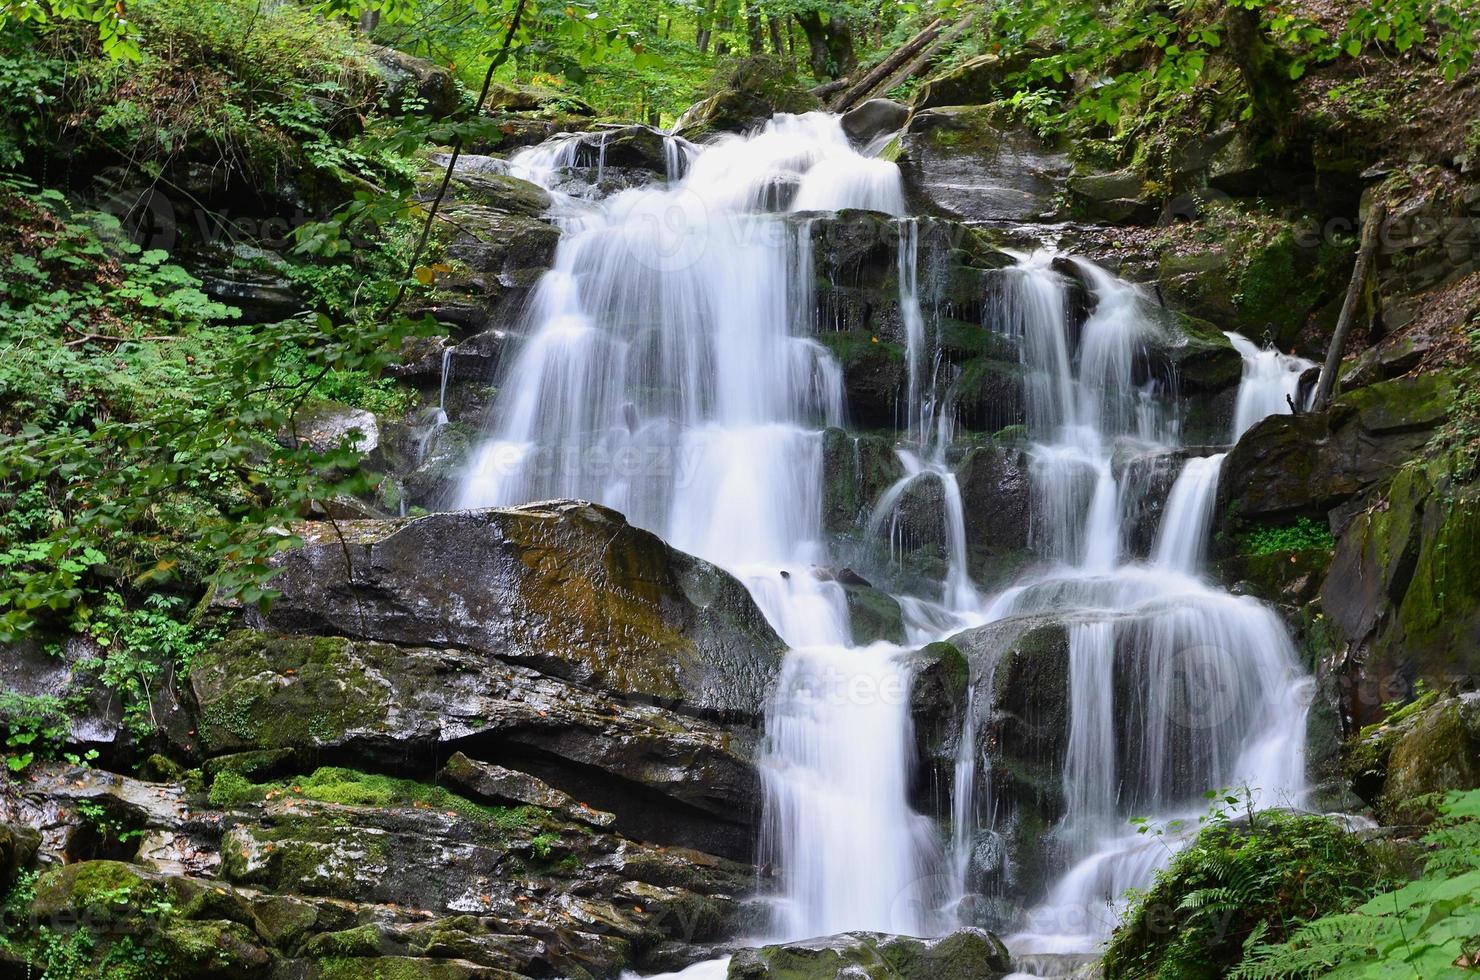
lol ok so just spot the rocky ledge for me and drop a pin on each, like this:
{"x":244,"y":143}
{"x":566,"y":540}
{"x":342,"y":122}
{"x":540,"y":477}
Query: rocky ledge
{"x":491,"y":743}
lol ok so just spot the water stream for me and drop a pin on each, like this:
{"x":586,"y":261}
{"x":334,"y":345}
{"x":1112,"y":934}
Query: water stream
{"x":669,"y":372}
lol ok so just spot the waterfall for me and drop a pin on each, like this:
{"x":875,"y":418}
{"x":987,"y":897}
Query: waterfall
{"x":1183,"y":535}
{"x":669,"y":371}
{"x":1175,"y":687}
{"x":1269,"y":386}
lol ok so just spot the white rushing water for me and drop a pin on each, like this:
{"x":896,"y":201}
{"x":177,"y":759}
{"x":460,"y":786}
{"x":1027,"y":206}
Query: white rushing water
{"x":1175,"y":687}
{"x":669,"y":371}
{"x":668,"y":375}
{"x":1271,"y":383}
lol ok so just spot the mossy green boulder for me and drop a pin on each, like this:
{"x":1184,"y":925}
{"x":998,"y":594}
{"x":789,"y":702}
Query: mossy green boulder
{"x":568,"y":588}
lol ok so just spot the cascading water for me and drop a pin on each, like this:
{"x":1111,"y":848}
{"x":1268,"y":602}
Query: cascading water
{"x":1270,"y":386}
{"x":1145,"y":640}
{"x":669,"y":372}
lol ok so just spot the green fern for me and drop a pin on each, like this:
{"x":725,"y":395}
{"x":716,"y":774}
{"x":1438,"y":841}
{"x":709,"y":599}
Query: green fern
{"x":1428,"y":929}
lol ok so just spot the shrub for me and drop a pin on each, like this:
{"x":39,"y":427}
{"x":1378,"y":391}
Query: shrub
{"x":1258,"y":878}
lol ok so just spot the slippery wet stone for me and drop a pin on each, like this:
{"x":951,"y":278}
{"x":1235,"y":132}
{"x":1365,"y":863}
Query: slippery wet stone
{"x":670,"y":778}
{"x":569,"y":588}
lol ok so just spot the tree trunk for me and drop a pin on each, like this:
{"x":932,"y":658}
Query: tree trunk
{"x":706,"y":22}
{"x":777,"y":44}
{"x":1376,"y":216}
{"x":880,"y":71}
{"x":1265,"y":70}
{"x":921,"y":62}
{"x":830,"y":45}
{"x":753,"y":30}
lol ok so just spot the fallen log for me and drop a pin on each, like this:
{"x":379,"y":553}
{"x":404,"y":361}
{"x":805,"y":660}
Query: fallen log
{"x":1376,"y":215}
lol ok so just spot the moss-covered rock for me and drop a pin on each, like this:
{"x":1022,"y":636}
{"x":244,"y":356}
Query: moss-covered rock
{"x":1304,"y":465}
{"x":1429,"y":753}
{"x":752,"y":91}
{"x":968,"y":954}
{"x":995,"y":503}
{"x":873,"y":615}
{"x":211,"y":950}
{"x":856,"y":470}
{"x":974,"y":81}
{"x":570,"y":588}
{"x":1404,"y":587}
{"x":267,"y":692}
{"x":970,"y":164}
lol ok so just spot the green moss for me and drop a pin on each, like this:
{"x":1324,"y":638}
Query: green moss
{"x":110,"y":889}
{"x":350,"y":787}
{"x":1274,"y":872}
{"x":393,"y":968}
{"x":329,"y":696}
{"x":230,"y":789}
{"x":359,"y":941}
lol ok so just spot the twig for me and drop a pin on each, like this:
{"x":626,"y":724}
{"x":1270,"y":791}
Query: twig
{"x":457,"y":145}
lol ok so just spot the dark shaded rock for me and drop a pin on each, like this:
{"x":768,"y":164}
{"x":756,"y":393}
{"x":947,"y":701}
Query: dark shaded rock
{"x":753,"y":91}
{"x":569,"y":588}
{"x":989,"y":394}
{"x":968,"y":954}
{"x":1292,"y":465}
{"x":18,"y":846}
{"x":1115,"y":197}
{"x":1022,"y":665}
{"x":938,"y":700}
{"x":856,"y":471}
{"x":261,"y":296}
{"x":995,"y":503}
{"x":1145,"y":480}
{"x":414,"y":84}
{"x":498,"y":192}
{"x":959,"y":163}
{"x":873,"y":615}
{"x":669,"y":778}
{"x":1404,"y":589}
{"x":874,"y":376}
{"x":975,"y":81}
{"x":502,"y":247}
{"x":870,"y":120}
{"x":508,"y":787}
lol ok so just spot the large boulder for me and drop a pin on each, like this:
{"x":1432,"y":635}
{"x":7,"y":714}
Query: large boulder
{"x":750,"y":93}
{"x":962,"y":162}
{"x":1407,"y":764}
{"x":1289,"y":466}
{"x":1404,"y":588}
{"x":996,"y":506}
{"x":415,"y":85}
{"x":870,"y":120}
{"x":568,"y":588}
{"x":669,"y":778}
{"x":967,"y":954}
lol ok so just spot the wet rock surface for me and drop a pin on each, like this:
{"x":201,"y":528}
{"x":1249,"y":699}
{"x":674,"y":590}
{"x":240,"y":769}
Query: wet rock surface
{"x":968,"y":954}
{"x":960,"y":162}
{"x":569,"y":588}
